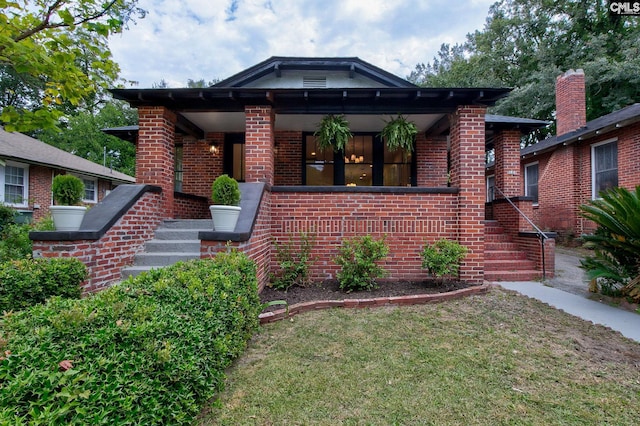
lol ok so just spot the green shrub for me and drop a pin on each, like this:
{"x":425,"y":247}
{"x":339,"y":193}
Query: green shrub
{"x":443,"y":257}
{"x":357,"y":259}
{"x":68,"y":190}
{"x":615,"y":265}
{"x":15,"y":243}
{"x":150,"y":350}
{"x":7,"y":217}
{"x":26,"y":282}
{"x":225,"y":191}
{"x":294,"y":261}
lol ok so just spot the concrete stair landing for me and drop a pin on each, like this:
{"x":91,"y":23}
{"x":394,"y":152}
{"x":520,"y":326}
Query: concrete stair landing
{"x":175,"y":240}
{"x":503,"y":261}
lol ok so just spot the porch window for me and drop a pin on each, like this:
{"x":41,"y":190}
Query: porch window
{"x":178,"y":171}
{"x":14,"y":184}
{"x":366,"y":162}
{"x":604,"y":166}
{"x":491,"y":188}
{"x":531,"y":181}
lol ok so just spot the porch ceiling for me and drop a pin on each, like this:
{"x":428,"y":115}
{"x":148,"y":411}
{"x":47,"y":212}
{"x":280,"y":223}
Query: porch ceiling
{"x":235,"y":121}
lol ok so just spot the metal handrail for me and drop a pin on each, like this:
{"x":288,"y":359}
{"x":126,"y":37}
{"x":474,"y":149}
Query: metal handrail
{"x":539,"y":232}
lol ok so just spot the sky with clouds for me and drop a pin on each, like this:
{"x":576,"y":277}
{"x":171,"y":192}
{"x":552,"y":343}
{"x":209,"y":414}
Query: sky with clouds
{"x":214,"y":39}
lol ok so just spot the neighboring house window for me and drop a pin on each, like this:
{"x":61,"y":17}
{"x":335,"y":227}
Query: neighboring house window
{"x":531,"y":181}
{"x":14,"y":184}
{"x":604,"y":166}
{"x":491,"y":188}
{"x":90,"y":189}
{"x":366,"y":162}
{"x":178,"y":172}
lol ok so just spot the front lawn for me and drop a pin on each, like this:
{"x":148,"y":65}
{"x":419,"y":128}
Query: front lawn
{"x":493,"y":359}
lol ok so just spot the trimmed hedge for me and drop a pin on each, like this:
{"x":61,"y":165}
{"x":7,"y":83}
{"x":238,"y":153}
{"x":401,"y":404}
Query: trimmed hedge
{"x":24,"y":283}
{"x":151,"y":350}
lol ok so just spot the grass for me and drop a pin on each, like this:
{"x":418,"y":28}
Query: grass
{"x":493,"y":359}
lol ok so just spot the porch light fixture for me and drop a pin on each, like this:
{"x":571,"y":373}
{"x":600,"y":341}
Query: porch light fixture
{"x":213,"y":148}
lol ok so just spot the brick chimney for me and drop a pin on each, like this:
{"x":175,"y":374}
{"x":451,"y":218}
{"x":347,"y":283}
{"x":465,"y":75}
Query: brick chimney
{"x":571,"y":108}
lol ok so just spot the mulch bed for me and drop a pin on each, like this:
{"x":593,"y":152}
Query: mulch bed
{"x":330,"y":290}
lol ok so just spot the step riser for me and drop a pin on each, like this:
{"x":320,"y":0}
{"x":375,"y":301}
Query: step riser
{"x":176,"y":234}
{"x":202,"y":224}
{"x":512,"y":276}
{"x":504,"y":255}
{"x":163,"y":246}
{"x":500,"y":246}
{"x":496,"y":238}
{"x":163,"y":259}
{"x":509,"y":265}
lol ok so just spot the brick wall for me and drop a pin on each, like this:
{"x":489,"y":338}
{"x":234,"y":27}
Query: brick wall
{"x":155,"y":152}
{"x":507,"y":163}
{"x":259,"y":144}
{"x":408,"y":221}
{"x":106,"y":257}
{"x":288,"y":167}
{"x":431,"y":157}
{"x":201,"y":167}
{"x":186,"y":206}
{"x":467,"y":137}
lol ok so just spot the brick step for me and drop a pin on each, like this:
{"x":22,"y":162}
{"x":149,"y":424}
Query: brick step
{"x":493,"y":229}
{"x":500,"y":246}
{"x":528,"y":275}
{"x":505,"y":255}
{"x":509,"y":265}
{"x":496,"y":238}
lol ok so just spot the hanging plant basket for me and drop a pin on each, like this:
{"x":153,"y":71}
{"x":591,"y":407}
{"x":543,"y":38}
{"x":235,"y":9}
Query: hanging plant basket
{"x":333,"y":132}
{"x":399,"y":133}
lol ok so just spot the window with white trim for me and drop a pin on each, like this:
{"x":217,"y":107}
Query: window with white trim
{"x":14,"y":184}
{"x":491,"y":188}
{"x":604,"y":166}
{"x":90,"y":189}
{"x":531,"y":181}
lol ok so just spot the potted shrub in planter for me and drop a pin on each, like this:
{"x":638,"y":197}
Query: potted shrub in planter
{"x":68,"y":191}
{"x":399,"y":133}
{"x":333,"y":131}
{"x":225,"y":210}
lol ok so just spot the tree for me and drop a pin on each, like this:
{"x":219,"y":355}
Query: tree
{"x":54,"y":57}
{"x":81,"y":135}
{"x":525,"y":44}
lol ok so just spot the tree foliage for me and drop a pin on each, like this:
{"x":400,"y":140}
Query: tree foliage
{"x":525,"y":44}
{"x":54,"y":56}
{"x":81,"y":135}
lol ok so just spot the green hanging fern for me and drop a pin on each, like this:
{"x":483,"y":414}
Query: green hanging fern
{"x":399,"y":133}
{"x":333,"y":131}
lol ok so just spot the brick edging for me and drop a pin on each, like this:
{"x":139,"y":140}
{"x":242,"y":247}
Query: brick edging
{"x":416,"y":299}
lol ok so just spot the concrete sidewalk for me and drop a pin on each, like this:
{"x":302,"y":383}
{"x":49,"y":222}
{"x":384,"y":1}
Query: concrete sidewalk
{"x":627,"y":323}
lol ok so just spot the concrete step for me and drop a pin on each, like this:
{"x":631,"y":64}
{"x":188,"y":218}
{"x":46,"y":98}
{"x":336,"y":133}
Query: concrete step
{"x":134,"y":271}
{"x":160,"y":246}
{"x":164,"y":258}
{"x":509,"y":265}
{"x":203,"y":224}
{"x":528,"y":275}
{"x":178,"y":234}
{"x":505,"y":255}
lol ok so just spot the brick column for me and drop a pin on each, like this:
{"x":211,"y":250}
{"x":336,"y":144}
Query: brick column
{"x":507,"y":171}
{"x":259,"y":144}
{"x":467,"y":173}
{"x":155,"y":152}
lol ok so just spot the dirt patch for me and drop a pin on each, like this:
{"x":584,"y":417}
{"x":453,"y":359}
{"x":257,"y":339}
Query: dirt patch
{"x":330,"y":290}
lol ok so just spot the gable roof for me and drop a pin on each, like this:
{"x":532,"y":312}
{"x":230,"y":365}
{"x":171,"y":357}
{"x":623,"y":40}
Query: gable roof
{"x":276,"y":64}
{"x":600,"y":125}
{"x":25,"y":149}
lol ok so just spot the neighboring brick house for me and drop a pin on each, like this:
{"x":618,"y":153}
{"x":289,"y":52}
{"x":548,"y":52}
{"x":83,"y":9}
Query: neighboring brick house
{"x":27,"y":168}
{"x":258,"y":126}
{"x":565,"y":171}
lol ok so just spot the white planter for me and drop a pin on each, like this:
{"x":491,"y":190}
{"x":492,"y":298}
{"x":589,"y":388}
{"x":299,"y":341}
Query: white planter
{"x":224,"y":217}
{"x":67,"y":218}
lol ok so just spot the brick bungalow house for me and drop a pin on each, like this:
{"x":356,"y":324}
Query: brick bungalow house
{"x":258,"y":126}
{"x":27,"y":168}
{"x":565,"y":171}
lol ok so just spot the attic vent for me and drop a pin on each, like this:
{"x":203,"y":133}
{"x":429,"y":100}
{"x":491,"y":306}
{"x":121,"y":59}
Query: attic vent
{"x":314,"y":82}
